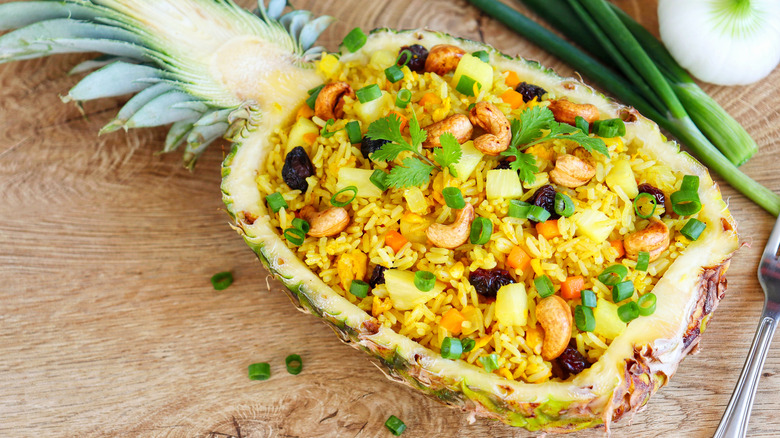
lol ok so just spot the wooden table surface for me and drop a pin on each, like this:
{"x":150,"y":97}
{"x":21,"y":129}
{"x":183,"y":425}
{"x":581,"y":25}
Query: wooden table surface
{"x":109,"y":325}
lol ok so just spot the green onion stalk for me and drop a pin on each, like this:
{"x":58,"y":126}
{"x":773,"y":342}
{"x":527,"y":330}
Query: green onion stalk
{"x":673,"y":117}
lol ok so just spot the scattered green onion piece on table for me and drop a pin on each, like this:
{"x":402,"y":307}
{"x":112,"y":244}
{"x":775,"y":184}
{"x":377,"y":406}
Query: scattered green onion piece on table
{"x":693,"y":229}
{"x":564,"y":206}
{"x":588,"y":298}
{"x":379,"y":179}
{"x":353,"y":132}
{"x":403,"y":98}
{"x":609,"y":128}
{"x":628,"y":312}
{"x":276,"y":202}
{"x":453,"y":197}
{"x":296,"y":236}
{"x":466,"y":85}
{"x":519,"y":209}
{"x":583,"y":317}
{"x":334,"y":200}
{"x":481,"y":230}
{"x":468,"y":344}
{"x":368,"y":93}
{"x":359,"y":288}
{"x":544,"y":286}
{"x":313,"y":93}
{"x":646,"y":304}
{"x":685,"y":203}
{"x":622,"y":291}
{"x":396,"y":426}
{"x":222,"y":280}
{"x":538,"y":214}
{"x":613,"y":275}
{"x":424,"y":280}
{"x":354,"y":40}
{"x":642,"y":261}
{"x":260,"y":371}
{"x":301,"y":224}
{"x":690,"y":183}
{"x":489,"y":362}
{"x":294,"y":364}
{"x":394,"y":73}
{"x":581,"y":124}
{"x":482,"y":55}
{"x":451,"y":348}
{"x":651,"y":199}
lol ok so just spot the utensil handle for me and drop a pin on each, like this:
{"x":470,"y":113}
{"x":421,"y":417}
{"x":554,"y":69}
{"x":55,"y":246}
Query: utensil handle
{"x":735,"y":419}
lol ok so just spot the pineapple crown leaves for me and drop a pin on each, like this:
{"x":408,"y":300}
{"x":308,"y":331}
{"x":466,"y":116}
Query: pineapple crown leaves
{"x":153,"y":50}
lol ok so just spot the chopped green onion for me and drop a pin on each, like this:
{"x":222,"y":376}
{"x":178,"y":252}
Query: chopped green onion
{"x":581,"y":124}
{"x":642,"y":261}
{"x":519,"y":209}
{"x":466,"y":85}
{"x":468,"y":344}
{"x":379,"y":179}
{"x":222,"y":280}
{"x":359,"y":288}
{"x":453,"y":197}
{"x":622,"y":291}
{"x":544,"y":286}
{"x":628,"y":312}
{"x":324,"y":131}
{"x":259,"y":371}
{"x":334,"y":202}
{"x":563,"y":205}
{"x":313,"y":93}
{"x":296,"y":236}
{"x":451,"y":348}
{"x":471,"y":107}
{"x":482,"y":55}
{"x":424,"y":280}
{"x":685,"y":203}
{"x":583,"y":317}
{"x":538,"y":214}
{"x":609,"y":128}
{"x":613,"y":275}
{"x":403,"y":98}
{"x":301,"y":224}
{"x":368,"y":93}
{"x":693,"y":229}
{"x":396,"y":426}
{"x":294,"y":364}
{"x":406,"y":54}
{"x":690,"y":183}
{"x":354,"y":40}
{"x":276,"y":202}
{"x":650,"y":199}
{"x":588,"y":298}
{"x":646,"y":304}
{"x":353,"y":132}
{"x":394,"y":73}
{"x":481,"y":230}
{"x":489,"y":362}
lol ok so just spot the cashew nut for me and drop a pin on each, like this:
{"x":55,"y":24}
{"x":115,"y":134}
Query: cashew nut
{"x":443,"y":58}
{"x":456,"y":124}
{"x":325,"y":223}
{"x":491,"y":119}
{"x":453,"y":235}
{"x":654,"y":239}
{"x":554,"y":315}
{"x":566,"y":111}
{"x":571,"y":171}
{"x":330,"y":101}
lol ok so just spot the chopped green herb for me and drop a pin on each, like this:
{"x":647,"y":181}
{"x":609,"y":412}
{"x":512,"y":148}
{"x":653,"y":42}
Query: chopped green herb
{"x":313,"y":93}
{"x":451,"y":348}
{"x":482,"y":55}
{"x":403,"y":98}
{"x":489,"y":362}
{"x":424,"y":280}
{"x":294,"y":364}
{"x":693,"y":229}
{"x":354,"y":40}
{"x":650,"y":200}
{"x":453,"y":198}
{"x":588,"y":298}
{"x":628,"y":312}
{"x":394,"y":73}
{"x":646,"y":304}
{"x":642,"y":261}
{"x":260,"y":371}
{"x":222,"y":280}
{"x":296,"y":236}
{"x":396,"y":426}
{"x":481,"y":230}
{"x":609,"y":128}
{"x":353,"y":132}
{"x":468,"y":344}
{"x":544,"y":286}
{"x":613,"y":275}
{"x":564,"y":206}
{"x":301,"y":224}
{"x":324,"y":131}
{"x":466,"y":85}
{"x":622,"y":291}
{"x":583,"y":317}
{"x":379,"y":179}
{"x":359,"y":288}
{"x":276,"y":202}
{"x":368,"y":93}
{"x":334,"y":199}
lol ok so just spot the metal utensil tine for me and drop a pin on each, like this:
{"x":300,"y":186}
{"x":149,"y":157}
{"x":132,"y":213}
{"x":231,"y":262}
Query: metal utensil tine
{"x":773,"y":243}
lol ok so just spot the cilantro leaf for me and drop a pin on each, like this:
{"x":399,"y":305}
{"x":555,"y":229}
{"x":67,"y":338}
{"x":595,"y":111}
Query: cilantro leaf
{"x":390,"y":151}
{"x":525,"y":165}
{"x":449,"y":153}
{"x":530,"y":125}
{"x":387,"y":128}
{"x":413,"y":173}
{"x":567,"y":132}
{"x":418,"y":134}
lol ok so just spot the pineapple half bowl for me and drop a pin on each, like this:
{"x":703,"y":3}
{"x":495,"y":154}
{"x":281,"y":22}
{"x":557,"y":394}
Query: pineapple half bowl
{"x":214,"y":70}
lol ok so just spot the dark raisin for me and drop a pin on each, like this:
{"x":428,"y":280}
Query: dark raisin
{"x":419,"y":56}
{"x":487,"y":282}
{"x":529,"y":91}
{"x":657,"y":193}
{"x":377,"y":276}
{"x":297,"y":167}
{"x":571,"y":361}
{"x":370,"y":145}
{"x":545,"y":197}
{"x":503,"y":164}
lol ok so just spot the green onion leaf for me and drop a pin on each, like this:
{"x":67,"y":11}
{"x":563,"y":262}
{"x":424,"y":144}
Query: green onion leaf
{"x":394,"y":73}
{"x":324,"y":131}
{"x":638,"y":209}
{"x":489,"y":362}
{"x":613,"y":275}
{"x":583,"y":317}
{"x":334,"y":202}
{"x":353,"y":132}
{"x":622,"y":291}
{"x":642,"y":261}
{"x":685,"y":202}
{"x":693,"y":229}
{"x":451,"y":348}
{"x":259,"y":371}
{"x":468,"y":344}
{"x":466,"y":85}
{"x":628,"y":312}
{"x":482,"y":55}
{"x":294,"y":364}
{"x":581,"y":124}
{"x":481,"y":230}
{"x":379,"y":179}
{"x":301,"y":224}
{"x":403,"y":98}
{"x":453,"y":197}
{"x":588,"y":298}
{"x":368,"y":93}
{"x":564,"y":206}
{"x":538,"y":214}
{"x":359,"y":288}
{"x":544,"y":286}
{"x":313,"y":93}
{"x":406,"y":55}
{"x":354,"y":40}
{"x":690,"y":183}
{"x":646,"y":304}
{"x":424,"y":280}
{"x":296,"y":236}
{"x":519,"y":209}
{"x":276,"y":202}
{"x":222,"y":280}
{"x":396,"y":426}
{"x":609,"y":128}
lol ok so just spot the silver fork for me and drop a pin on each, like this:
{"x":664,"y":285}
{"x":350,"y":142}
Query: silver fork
{"x":735,"y":419}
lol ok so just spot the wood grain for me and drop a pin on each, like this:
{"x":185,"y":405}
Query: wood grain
{"x":109,"y":325}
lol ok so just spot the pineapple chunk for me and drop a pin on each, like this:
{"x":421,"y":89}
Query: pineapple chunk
{"x":296,"y":138}
{"x":359,"y":178}
{"x":503,"y":183}
{"x":416,"y":200}
{"x":371,"y":111}
{"x":512,"y":305}
{"x":622,"y":176}
{"x":476,"y":69}
{"x":413,"y":227}
{"x":594,"y":224}
{"x":468,"y":161}
{"x":403,"y":292}
{"x":382,"y":59}
{"x":608,"y":323}
{"x":329,"y":65}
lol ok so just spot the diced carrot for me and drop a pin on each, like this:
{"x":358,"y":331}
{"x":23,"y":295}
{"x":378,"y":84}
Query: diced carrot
{"x":513,"y":98}
{"x":310,"y":137}
{"x":572,"y":286}
{"x":402,"y":118}
{"x":429,"y":98}
{"x":512,"y":79}
{"x":452,"y":321}
{"x":618,"y":245}
{"x":395,"y":240}
{"x":304,"y":112}
{"x":548,"y":229}
{"x":518,"y":259}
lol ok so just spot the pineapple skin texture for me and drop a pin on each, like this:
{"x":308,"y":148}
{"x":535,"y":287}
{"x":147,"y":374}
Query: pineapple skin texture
{"x":637,"y":363}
